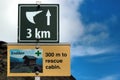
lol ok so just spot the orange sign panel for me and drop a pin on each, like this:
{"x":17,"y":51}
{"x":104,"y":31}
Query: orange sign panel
{"x":48,"y":60}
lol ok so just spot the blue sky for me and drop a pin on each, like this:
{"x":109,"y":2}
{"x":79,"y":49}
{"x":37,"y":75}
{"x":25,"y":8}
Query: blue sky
{"x":90,"y":26}
{"x":105,"y":16}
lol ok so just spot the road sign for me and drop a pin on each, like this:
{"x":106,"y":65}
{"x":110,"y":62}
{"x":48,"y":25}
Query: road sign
{"x":38,"y":23}
{"x":48,"y":60}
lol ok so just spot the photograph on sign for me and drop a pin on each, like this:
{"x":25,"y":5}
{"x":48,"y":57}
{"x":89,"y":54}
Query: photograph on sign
{"x":25,"y":60}
{"x":48,"y":60}
{"x":38,"y":23}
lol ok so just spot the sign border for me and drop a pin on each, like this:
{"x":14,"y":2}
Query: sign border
{"x":40,"y":41}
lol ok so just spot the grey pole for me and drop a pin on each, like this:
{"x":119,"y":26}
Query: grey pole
{"x":37,"y":77}
{"x":37,"y":47}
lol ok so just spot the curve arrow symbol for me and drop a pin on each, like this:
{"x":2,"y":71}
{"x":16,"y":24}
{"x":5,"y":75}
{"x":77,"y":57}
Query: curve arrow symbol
{"x":30,"y":15}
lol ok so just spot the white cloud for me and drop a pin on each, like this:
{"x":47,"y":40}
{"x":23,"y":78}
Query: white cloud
{"x":103,"y":59}
{"x":111,"y":77}
{"x":8,"y":19}
{"x":88,"y":51}
{"x":94,"y":33}
{"x":71,"y":27}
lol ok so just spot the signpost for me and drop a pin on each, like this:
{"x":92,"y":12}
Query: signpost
{"x":48,"y":60}
{"x":38,"y":23}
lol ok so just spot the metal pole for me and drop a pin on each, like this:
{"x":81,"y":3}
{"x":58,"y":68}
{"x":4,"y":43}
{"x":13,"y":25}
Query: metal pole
{"x":37,"y":72}
{"x":37,"y":77}
{"x":37,"y":46}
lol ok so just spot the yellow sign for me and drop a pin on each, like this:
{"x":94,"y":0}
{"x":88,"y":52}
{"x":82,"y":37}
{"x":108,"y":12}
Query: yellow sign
{"x":48,"y":60}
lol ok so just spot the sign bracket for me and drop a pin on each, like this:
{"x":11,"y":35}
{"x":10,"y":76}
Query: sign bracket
{"x":38,"y":3}
{"x":37,"y":43}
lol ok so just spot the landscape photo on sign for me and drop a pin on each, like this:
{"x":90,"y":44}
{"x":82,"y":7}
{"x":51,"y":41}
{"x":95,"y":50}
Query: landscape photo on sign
{"x":26,"y":60}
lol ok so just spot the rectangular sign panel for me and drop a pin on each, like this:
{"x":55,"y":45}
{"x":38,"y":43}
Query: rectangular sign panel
{"x":38,"y":22}
{"x":48,"y":60}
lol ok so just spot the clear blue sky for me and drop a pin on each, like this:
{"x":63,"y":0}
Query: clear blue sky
{"x":105,"y":66}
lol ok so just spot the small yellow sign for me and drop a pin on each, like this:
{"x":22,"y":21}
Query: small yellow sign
{"x":49,"y":60}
